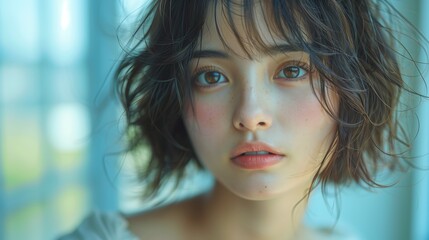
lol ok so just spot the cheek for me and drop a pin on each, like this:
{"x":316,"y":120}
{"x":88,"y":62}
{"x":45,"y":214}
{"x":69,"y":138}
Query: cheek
{"x":305,"y":112}
{"x":311,"y":113}
{"x":311,"y":127}
{"x":205,"y":120}
{"x":206,"y":127}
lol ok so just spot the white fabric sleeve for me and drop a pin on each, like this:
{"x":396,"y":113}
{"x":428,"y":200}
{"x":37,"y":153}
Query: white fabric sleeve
{"x":101,"y":226}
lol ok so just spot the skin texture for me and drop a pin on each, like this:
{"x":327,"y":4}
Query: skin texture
{"x":253,"y":101}
{"x":266,"y":99}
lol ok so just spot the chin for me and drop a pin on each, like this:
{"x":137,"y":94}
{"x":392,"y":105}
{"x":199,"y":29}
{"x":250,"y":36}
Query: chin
{"x":257,"y":196}
{"x":268,"y":188}
{"x":255,"y":192}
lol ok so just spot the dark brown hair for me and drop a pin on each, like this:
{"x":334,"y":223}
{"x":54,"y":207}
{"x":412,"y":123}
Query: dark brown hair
{"x":349,"y":45}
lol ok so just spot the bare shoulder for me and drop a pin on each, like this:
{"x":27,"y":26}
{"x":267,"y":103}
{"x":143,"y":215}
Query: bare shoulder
{"x":173,"y":221}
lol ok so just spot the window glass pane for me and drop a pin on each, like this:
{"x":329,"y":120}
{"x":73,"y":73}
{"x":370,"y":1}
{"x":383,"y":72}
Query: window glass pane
{"x":25,"y":223}
{"x":50,"y":218}
{"x":22,"y":145}
{"x":46,"y":106}
{"x":70,"y":205}
{"x":68,"y":84}
{"x":69,"y":134}
{"x":66,"y":28}
{"x":19,"y":84}
{"x":19,"y":24}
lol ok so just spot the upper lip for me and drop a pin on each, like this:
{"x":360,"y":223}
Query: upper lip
{"x":253,"y":147}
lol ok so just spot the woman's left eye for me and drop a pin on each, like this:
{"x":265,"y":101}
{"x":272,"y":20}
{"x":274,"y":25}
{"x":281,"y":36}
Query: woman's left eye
{"x":291,"y":72}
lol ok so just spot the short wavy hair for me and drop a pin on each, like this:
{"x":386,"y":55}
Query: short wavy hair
{"x":349,"y":44}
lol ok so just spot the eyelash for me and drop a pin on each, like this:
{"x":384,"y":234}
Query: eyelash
{"x":211,"y":69}
{"x":203,"y":70}
{"x":300,"y":65}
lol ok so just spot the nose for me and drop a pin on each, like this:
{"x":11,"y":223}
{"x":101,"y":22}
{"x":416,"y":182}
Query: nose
{"x":252,"y":113}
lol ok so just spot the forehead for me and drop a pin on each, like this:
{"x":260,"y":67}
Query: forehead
{"x":246,"y":29}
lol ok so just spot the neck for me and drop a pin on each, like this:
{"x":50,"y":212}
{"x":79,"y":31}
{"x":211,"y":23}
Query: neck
{"x":231,"y":217}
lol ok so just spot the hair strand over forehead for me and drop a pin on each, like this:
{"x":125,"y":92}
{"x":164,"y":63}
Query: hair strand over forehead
{"x":349,"y":46}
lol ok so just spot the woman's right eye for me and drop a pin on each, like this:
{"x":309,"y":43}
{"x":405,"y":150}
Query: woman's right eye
{"x":209,"y":79}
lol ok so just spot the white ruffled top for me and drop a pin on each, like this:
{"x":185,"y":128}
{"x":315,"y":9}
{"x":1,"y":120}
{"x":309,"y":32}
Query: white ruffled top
{"x":101,"y":226}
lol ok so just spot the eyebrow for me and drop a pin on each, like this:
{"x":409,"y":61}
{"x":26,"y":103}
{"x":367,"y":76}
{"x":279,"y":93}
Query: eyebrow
{"x":209,"y":54}
{"x":282,"y":48}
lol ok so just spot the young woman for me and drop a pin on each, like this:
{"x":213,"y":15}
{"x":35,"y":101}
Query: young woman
{"x":272,"y":97}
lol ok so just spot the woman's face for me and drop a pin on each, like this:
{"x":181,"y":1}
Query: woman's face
{"x":257,"y":124}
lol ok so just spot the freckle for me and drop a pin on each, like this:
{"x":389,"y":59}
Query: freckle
{"x":265,"y":186}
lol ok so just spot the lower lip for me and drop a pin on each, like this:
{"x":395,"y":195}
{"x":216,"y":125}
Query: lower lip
{"x":254,"y":162}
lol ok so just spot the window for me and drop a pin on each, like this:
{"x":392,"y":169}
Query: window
{"x":55,"y":58}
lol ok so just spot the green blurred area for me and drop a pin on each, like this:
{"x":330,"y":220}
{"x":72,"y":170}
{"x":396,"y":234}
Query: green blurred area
{"x":26,"y":156}
{"x":49,"y":218}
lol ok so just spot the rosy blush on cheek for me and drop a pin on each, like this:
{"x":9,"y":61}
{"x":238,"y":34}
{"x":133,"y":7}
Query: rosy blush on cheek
{"x":303,"y":110}
{"x":316,"y":114}
{"x":206,"y":117}
{"x":311,"y":111}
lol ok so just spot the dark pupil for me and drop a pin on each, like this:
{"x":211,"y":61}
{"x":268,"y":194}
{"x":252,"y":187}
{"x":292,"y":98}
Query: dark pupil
{"x":291,"y":72}
{"x":212,"y":77}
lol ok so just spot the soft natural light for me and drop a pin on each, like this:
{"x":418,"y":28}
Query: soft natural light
{"x":21,"y":21}
{"x":65,"y":15}
{"x":47,"y":84}
{"x":63,"y":137}
{"x":67,"y":31}
{"x":69,"y":126}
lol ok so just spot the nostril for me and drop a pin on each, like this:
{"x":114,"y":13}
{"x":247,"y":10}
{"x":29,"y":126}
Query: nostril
{"x":252,"y":126}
